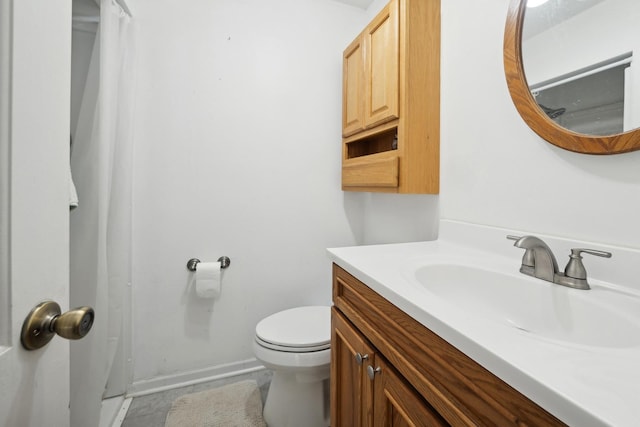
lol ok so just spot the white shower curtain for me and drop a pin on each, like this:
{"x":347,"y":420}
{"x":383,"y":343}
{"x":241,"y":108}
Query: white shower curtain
{"x":100,"y":238}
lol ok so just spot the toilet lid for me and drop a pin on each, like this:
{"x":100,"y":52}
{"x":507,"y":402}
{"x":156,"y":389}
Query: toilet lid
{"x":304,"y":328}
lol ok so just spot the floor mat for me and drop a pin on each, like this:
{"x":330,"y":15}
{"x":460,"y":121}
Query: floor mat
{"x":233,"y":405}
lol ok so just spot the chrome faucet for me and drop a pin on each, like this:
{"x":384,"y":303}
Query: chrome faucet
{"x":538,"y":261}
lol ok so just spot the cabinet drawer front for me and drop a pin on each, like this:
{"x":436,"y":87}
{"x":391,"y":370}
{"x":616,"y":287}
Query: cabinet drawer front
{"x":372,"y":173}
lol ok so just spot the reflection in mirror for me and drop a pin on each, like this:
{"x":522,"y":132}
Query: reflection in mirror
{"x":577,"y":58}
{"x":590,"y":101}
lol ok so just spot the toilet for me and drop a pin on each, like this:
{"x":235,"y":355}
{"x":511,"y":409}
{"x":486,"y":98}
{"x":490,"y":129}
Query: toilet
{"x":295,"y":345}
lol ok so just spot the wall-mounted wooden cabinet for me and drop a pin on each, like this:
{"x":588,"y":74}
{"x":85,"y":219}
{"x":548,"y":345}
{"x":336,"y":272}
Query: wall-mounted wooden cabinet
{"x":389,"y":370}
{"x":391,"y":101}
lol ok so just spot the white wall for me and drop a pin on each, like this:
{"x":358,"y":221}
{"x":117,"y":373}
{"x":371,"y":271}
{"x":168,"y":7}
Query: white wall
{"x":81,"y":48}
{"x":496,"y":171}
{"x":238,"y":154}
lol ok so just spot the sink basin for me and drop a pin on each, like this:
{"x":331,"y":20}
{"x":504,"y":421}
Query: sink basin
{"x":601,"y":317}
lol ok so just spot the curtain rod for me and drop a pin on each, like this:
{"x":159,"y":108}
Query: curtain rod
{"x":583,"y":72}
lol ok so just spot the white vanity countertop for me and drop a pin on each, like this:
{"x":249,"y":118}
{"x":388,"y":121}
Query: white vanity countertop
{"x":581,"y":385}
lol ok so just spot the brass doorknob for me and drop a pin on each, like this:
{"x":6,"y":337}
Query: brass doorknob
{"x":46,"y":320}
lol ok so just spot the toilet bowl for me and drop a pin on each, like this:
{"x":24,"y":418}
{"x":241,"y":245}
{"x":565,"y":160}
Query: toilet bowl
{"x":295,"y":345}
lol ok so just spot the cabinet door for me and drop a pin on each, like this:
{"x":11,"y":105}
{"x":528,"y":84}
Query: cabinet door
{"x":396,"y":403}
{"x":382,"y":67}
{"x":351,"y":390}
{"x":352,"y":88}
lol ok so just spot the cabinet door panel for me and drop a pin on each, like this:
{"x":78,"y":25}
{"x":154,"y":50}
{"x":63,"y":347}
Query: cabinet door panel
{"x":382,"y":65}
{"x":351,"y":390}
{"x":352,"y":88}
{"x":398,"y":405}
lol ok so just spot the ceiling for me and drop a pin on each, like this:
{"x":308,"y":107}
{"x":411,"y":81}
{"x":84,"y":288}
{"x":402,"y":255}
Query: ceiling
{"x":541,"y":18}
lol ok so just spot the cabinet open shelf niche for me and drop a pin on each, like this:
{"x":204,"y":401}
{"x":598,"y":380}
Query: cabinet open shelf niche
{"x":386,"y":140}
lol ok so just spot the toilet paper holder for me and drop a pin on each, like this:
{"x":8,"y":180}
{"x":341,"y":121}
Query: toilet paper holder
{"x":192,"y":264}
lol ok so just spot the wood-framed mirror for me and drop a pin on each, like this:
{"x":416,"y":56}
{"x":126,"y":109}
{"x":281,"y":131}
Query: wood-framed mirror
{"x":540,"y":73}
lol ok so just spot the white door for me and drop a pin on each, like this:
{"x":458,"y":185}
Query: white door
{"x":35,"y":52}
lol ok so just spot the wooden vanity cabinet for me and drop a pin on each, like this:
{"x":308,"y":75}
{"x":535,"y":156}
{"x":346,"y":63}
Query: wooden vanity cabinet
{"x":419,"y":379}
{"x":391,"y":101}
{"x":371,"y":393}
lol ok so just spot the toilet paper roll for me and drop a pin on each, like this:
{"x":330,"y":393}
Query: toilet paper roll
{"x":208,"y":279}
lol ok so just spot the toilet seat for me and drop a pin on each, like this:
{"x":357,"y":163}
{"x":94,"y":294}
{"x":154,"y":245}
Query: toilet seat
{"x":297,"y":330}
{"x":291,"y":349}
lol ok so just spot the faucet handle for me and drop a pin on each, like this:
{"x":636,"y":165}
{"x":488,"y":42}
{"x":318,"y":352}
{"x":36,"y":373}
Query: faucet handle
{"x":578,"y":251}
{"x":575,"y":267}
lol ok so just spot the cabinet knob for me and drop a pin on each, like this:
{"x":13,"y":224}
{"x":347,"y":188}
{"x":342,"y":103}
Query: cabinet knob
{"x":371,"y":371}
{"x":360,"y":358}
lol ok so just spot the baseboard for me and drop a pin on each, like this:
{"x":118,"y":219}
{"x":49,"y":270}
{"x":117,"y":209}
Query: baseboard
{"x":184,"y":379}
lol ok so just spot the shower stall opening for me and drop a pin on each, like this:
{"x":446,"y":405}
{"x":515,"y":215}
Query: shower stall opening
{"x":102,"y":81}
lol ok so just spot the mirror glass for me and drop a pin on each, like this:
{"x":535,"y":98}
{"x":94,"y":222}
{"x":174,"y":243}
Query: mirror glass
{"x":580,"y":63}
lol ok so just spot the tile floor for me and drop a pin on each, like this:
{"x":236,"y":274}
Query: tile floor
{"x":151,"y":410}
